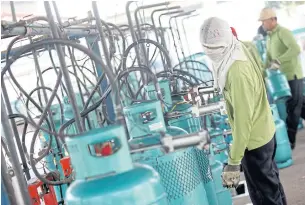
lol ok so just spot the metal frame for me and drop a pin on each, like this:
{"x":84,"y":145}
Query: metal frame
{"x":6,"y":127}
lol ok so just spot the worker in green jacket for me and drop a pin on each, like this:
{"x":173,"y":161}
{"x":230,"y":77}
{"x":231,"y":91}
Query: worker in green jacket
{"x":283,"y":53}
{"x":252,"y":49}
{"x":253,"y":147}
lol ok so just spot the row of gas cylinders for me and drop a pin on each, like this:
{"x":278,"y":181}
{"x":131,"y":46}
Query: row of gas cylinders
{"x":191,"y":176}
{"x":187,"y":176}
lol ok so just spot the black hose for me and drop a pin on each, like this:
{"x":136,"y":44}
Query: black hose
{"x":93,"y":56}
{"x":162,"y":49}
{"x":62,"y":120}
{"x":63,"y":87}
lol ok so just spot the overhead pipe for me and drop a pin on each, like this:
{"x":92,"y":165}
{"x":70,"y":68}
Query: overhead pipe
{"x":73,"y":65}
{"x":111,"y":41}
{"x":160,"y":23}
{"x":133,"y":33}
{"x":139,"y":28}
{"x":33,"y":30}
{"x":179,"y":37}
{"x":156,"y":29}
{"x":158,"y":10}
{"x":13,"y":10}
{"x":104,"y":46}
{"x":141,"y":60}
{"x":177,"y":29}
{"x":65,"y":72}
{"x":146,"y":7}
{"x":171,"y":27}
{"x":102,"y":35}
{"x":184,"y":31}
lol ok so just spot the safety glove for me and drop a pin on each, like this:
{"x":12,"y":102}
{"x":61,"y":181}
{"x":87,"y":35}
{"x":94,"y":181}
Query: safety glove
{"x":274,"y":64}
{"x":230,"y":175}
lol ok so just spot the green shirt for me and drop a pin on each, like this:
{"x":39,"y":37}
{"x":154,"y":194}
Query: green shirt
{"x":255,"y":54}
{"x":248,"y":109}
{"x":282,"y":46}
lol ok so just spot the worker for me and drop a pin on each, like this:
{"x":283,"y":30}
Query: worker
{"x":283,"y":53}
{"x":252,"y":49}
{"x":253,"y":147}
{"x":255,"y":53}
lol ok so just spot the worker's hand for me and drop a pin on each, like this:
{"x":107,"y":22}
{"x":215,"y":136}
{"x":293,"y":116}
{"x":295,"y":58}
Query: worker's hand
{"x":230,"y":175}
{"x":274,"y":64}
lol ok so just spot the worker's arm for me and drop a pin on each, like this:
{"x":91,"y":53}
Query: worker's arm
{"x":241,"y":92}
{"x":289,"y":41}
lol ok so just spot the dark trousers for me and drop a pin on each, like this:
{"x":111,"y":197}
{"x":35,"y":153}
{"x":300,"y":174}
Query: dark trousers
{"x":262,"y":176}
{"x":295,"y":108}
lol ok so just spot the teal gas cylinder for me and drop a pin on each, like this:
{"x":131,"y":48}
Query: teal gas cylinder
{"x":221,"y":122}
{"x":261,"y":47}
{"x":104,"y":172}
{"x":144,"y":118}
{"x":206,"y":174}
{"x":282,"y":111}
{"x":283,"y":155}
{"x":277,"y":85}
{"x":180,"y":174}
{"x":223,"y":194}
{"x":187,"y":121}
{"x":219,"y":144}
{"x":165,"y":91}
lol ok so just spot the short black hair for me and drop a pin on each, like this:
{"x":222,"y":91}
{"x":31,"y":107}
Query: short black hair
{"x":261,"y":31}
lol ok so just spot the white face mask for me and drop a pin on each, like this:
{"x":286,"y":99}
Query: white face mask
{"x":221,"y":47}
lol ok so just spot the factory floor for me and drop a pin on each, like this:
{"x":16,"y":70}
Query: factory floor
{"x":292,"y":178}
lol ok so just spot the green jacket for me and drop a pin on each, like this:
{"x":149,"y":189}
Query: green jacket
{"x":248,"y":109}
{"x":282,"y":46}
{"x":255,"y":54}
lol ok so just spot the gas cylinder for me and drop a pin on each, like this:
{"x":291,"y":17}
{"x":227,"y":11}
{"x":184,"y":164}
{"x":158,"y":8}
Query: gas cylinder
{"x":219,"y":144}
{"x":283,"y":154}
{"x":180,"y":174}
{"x":223,"y":194}
{"x":221,"y":122}
{"x":104,"y":172}
{"x":206,"y":173}
{"x":186,"y":120}
{"x":277,"y":85}
{"x":282,"y":111}
{"x":150,"y":89}
{"x":144,"y":118}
